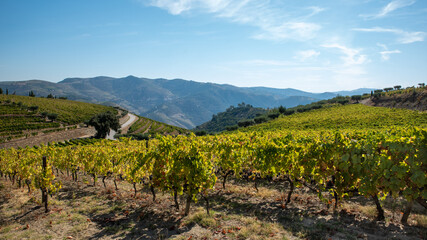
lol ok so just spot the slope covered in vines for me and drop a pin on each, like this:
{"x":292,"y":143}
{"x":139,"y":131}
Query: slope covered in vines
{"x":352,"y":116}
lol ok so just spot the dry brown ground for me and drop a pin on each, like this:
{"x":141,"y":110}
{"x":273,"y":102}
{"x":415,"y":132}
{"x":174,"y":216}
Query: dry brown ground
{"x":50,"y":137}
{"x":123,"y":120}
{"x":82,"y":211}
{"x":41,"y":138}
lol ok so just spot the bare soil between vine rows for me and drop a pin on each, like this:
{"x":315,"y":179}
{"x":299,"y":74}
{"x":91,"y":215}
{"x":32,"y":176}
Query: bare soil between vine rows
{"x":50,"y":137}
{"x":82,"y":211}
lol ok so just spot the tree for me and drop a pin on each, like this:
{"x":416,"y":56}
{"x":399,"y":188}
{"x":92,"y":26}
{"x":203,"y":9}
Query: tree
{"x":421,"y":85}
{"x":282,"y":109}
{"x":33,"y":108}
{"x":1,"y":91}
{"x":7,"y":91}
{"x":103,"y":122}
{"x":201,"y":133}
{"x":289,"y":112}
{"x":232,"y":128}
{"x":52,"y":116}
{"x":397,"y":87}
{"x":260,"y":119}
{"x":31,"y":94}
{"x":388,"y":89}
{"x":273,"y":115}
{"x":343,"y":101}
{"x":50,"y":95}
{"x":245,"y":123}
{"x":356,"y":98}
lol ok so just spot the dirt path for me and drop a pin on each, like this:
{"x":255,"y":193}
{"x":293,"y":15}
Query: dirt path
{"x":125,"y":126}
{"x":132,"y":119}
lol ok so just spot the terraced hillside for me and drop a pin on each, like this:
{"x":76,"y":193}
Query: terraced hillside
{"x":22,"y":116}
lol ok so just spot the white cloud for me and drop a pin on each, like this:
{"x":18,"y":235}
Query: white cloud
{"x":351,"y":56}
{"x":390,"y":7}
{"x":289,"y":30}
{"x":307,"y":54}
{"x":393,"y":5}
{"x":385,"y":55}
{"x":273,"y":23}
{"x":177,"y":7}
{"x":174,"y":7}
{"x":404,"y":37}
{"x":315,"y":10}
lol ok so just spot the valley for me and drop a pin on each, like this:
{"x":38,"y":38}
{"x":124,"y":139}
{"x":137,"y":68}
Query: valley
{"x":177,"y":102}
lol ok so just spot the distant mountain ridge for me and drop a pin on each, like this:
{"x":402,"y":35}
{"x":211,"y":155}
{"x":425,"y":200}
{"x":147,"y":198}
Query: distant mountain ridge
{"x":177,"y":102}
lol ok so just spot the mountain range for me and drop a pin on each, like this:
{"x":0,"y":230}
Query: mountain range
{"x":177,"y":102}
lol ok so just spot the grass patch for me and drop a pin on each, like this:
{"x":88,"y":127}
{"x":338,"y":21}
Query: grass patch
{"x":5,"y":229}
{"x":257,"y":229}
{"x":202,"y":218}
{"x":369,"y":211}
{"x":421,"y":220}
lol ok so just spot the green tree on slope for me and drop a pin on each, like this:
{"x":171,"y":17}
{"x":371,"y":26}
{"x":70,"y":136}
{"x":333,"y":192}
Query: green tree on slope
{"x":103,"y":122}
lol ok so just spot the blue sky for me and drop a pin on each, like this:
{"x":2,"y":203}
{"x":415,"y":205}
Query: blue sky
{"x":309,"y":45}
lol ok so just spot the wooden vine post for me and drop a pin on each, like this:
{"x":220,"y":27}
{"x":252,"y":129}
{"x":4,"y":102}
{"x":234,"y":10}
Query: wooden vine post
{"x":43,"y":188}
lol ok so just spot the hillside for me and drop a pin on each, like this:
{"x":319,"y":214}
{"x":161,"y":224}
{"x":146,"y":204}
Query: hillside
{"x":230,"y":117}
{"x":415,"y":99}
{"x":69,"y":112}
{"x":145,"y":126}
{"x":18,"y":121}
{"x":28,"y":117}
{"x":410,"y":98}
{"x":177,"y":102}
{"x":352,"y":116}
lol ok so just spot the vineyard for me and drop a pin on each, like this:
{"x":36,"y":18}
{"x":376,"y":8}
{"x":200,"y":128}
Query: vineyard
{"x":149,"y":126}
{"x":353,"y":116}
{"x":16,"y":122}
{"x":22,"y":116}
{"x":370,"y":159}
{"x":69,"y":112}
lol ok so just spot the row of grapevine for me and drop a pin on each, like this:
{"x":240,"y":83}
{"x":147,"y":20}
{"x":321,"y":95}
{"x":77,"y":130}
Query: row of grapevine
{"x":371,"y":163}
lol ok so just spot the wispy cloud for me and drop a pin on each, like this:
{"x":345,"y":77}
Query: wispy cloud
{"x":390,"y":7}
{"x":315,"y":10}
{"x":272,"y":22}
{"x":289,"y":30}
{"x":307,"y":54}
{"x":404,"y":37}
{"x":385,"y":54}
{"x":351,"y":56}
